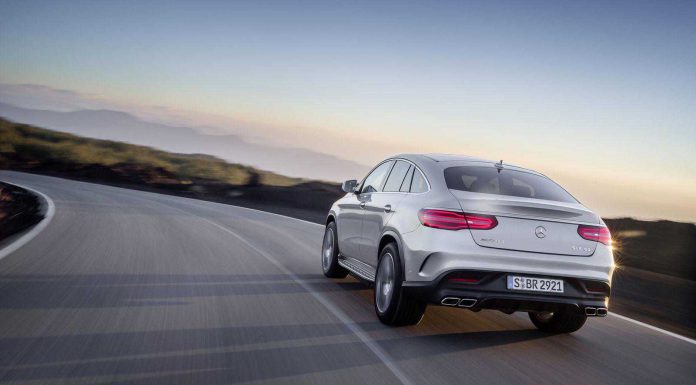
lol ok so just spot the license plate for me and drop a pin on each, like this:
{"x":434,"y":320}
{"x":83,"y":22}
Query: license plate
{"x":534,"y":284}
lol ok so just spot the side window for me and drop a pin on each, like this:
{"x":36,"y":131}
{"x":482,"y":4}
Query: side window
{"x":373,"y":182}
{"x":406,"y":184}
{"x":418,"y":183}
{"x":396,"y":177}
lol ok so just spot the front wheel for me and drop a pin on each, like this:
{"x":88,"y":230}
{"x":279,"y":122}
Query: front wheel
{"x":392,"y":306}
{"x":329,"y":253}
{"x":565,"y":320}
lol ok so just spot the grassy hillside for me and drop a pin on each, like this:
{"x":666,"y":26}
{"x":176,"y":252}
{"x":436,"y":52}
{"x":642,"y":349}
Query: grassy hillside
{"x":33,"y":149}
{"x":656,"y":278}
{"x":28,"y":147}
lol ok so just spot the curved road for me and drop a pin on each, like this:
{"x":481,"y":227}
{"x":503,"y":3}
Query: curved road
{"x":128,"y":287}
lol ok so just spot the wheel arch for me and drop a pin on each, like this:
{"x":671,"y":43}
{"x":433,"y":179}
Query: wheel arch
{"x":331,"y":218}
{"x":391,"y":236}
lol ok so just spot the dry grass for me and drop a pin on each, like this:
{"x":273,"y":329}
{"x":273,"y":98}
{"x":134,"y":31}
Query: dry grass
{"x":35,"y":146}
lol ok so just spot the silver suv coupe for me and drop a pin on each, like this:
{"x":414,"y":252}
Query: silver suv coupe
{"x":470,"y":233}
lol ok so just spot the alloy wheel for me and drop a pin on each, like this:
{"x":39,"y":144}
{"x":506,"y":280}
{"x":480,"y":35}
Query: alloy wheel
{"x":384,"y":282}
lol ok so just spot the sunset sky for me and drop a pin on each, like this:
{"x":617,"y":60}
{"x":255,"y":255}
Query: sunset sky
{"x":599,"y":95}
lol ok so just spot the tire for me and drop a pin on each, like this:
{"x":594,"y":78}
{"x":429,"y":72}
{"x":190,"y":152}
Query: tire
{"x":566,"y":320}
{"x":392,"y":306}
{"x":329,"y":253}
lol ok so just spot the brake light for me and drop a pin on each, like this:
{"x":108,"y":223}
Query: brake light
{"x":595,"y":233}
{"x":453,"y":220}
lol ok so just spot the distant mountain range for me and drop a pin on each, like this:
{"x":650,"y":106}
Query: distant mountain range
{"x":121,"y":126}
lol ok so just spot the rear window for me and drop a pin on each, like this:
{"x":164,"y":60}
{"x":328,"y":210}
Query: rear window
{"x":505,"y":182}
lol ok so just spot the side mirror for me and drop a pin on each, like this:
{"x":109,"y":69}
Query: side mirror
{"x":349,"y":186}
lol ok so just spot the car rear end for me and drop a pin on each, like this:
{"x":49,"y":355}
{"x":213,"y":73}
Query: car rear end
{"x":515,"y":241}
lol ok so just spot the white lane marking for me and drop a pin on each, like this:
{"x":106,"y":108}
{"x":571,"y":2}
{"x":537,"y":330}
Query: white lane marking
{"x":338,"y":313}
{"x":655,"y":328}
{"x":21,"y":241}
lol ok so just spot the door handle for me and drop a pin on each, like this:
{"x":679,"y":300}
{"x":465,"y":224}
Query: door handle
{"x":362,"y":205}
{"x":387,"y":208}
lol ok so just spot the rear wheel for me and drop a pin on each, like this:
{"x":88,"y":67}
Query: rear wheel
{"x":392,"y":306}
{"x":565,"y":320}
{"x":329,"y":253}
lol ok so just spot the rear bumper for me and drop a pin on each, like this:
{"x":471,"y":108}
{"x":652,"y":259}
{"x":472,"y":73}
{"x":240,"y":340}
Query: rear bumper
{"x":429,"y":253}
{"x":490,"y":292}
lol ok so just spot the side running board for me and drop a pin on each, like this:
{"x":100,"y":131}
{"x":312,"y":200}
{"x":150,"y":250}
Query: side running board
{"x":361,"y":269}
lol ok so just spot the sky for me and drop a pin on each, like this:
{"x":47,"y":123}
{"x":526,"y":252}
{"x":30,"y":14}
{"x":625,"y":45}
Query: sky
{"x":599,"y":95}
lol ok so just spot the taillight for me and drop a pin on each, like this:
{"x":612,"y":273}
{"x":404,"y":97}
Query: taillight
{"x":453,"y":220}
{"x":595,"y":233}
{"x":481,"y":222}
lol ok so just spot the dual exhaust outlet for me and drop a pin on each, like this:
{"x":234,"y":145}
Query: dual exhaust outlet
{"x":458,"y":302}
{"x":470,"y":302}
{"x":596,"y":311}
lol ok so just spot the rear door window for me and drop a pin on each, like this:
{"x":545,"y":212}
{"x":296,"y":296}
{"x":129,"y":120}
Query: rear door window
{"x":396,"y":177}
{"x":406,"y":184}
{"x":490,"y":180}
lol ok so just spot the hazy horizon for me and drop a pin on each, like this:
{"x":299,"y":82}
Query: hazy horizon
{"x":600,"y":96}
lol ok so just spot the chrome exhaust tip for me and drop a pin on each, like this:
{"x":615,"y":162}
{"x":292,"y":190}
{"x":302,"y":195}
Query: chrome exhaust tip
{"x":602,"y":312}
{"x":590,"y":311}
{"x":467,"y":302}
{"x":450,"y":301}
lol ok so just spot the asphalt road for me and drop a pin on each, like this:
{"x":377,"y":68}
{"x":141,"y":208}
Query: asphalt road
{"x":129,"y":287}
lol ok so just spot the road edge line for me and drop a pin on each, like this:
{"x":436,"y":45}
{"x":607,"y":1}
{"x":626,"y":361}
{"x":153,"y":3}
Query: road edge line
{"x":29,"y":235}
{"x":246,"y":208}
{"x":276,"y":214}
{"x":655,"y":328}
